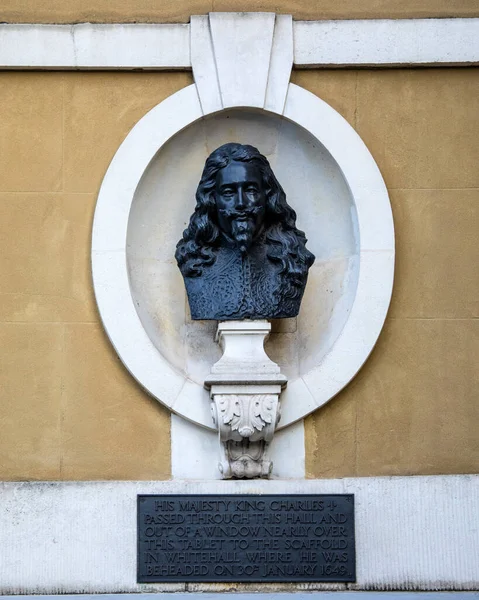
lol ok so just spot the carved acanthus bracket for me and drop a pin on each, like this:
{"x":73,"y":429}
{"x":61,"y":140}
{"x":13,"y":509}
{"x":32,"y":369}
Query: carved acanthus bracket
{"x":245,"y":386}
{"x":247,"y":416}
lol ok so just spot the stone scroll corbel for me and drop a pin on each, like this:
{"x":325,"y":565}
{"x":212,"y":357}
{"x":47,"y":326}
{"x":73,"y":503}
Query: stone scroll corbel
{"x":245,"y":387}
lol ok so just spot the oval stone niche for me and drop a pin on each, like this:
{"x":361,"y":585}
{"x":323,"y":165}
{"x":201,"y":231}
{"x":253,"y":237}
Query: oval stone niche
{"x":162,"y":205}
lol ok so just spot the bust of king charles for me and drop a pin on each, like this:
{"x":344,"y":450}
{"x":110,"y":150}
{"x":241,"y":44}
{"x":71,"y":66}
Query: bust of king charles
{"x":242,"y":256}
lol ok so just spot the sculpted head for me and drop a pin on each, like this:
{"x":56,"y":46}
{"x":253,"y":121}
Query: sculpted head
{"x":239,"y":202}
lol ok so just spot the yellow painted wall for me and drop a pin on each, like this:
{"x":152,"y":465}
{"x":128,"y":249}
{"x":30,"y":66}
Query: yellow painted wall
{"x":179,"y":11}
{"x":69,"y":410}
{"x":413,"y":409}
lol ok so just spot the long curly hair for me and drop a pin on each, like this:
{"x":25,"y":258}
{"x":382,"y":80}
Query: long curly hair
{"x":286,"y":244}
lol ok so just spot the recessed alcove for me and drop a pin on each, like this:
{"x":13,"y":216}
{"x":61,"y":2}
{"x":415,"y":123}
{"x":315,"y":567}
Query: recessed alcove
{"x":146,"y":199}
{"x":163,"y":202}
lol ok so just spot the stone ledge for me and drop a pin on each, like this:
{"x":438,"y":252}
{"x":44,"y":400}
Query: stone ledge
{"x":317,"y":44}
{"x":412,"y":533}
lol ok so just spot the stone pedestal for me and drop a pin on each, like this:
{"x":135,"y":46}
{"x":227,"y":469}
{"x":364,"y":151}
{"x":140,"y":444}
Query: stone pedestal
{"x":245,"y":387}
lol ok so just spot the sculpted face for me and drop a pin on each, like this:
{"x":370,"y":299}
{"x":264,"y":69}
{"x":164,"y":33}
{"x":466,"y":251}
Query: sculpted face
{"x":240,"y":202}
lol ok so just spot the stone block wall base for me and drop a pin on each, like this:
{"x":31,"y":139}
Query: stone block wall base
{"x":412,"y":533}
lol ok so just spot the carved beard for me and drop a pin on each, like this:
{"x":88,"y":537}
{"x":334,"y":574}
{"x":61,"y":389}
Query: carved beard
{"x":242,"y":233}
{"x":242,"y":225}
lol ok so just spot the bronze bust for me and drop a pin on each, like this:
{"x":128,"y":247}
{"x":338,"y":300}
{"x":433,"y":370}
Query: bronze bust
{"x":242,"y":256}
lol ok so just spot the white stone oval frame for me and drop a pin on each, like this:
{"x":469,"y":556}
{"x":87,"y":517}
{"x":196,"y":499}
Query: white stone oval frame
{"x":110,"y":275}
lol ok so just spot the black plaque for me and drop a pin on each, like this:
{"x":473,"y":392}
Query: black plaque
{"x":246,"y":538}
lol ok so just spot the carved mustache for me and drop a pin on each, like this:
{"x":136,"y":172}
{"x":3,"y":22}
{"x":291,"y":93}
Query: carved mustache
{"x":238,"y":214}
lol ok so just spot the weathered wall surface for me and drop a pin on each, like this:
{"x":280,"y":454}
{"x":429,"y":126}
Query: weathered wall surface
{"x":173,"y":11}
{"x":413,"y":408}
{"x":69,"y":410}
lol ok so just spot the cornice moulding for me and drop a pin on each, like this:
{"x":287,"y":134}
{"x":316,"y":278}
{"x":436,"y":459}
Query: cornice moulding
{"x":317,"y":44}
